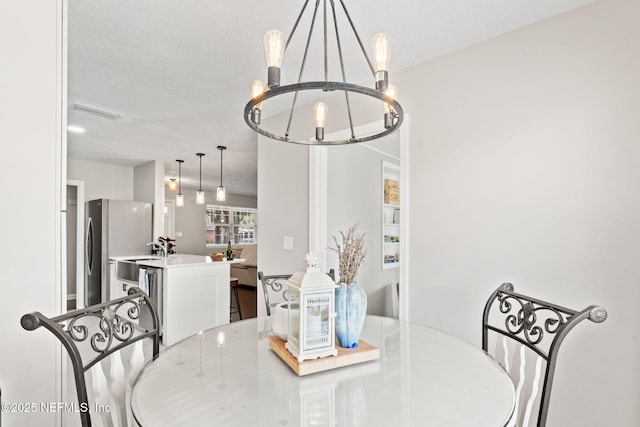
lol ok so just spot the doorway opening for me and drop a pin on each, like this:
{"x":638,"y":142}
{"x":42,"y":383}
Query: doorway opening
{"x":74,"y":237}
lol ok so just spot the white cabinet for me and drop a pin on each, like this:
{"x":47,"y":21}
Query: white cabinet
{"x":390,"y":215}
{"x":195,"y":298}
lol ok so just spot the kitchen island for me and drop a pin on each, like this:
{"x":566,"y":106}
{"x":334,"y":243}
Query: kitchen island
{"x":193,"y":293}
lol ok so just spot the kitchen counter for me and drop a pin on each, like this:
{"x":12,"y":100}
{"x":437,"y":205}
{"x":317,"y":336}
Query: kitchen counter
{"x":194,"y":292}
{"x":175,"y":260}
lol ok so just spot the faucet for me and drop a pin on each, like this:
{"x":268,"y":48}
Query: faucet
{"x":157,"y":247}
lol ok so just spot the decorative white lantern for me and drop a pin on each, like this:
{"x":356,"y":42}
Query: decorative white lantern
{"x":311,"y":313}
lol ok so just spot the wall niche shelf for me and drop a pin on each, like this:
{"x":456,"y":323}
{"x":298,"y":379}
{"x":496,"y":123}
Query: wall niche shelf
{"x":390,"y":215}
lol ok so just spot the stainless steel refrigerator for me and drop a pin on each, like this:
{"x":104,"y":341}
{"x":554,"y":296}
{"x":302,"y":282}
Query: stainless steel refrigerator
{"x":113,"y":228}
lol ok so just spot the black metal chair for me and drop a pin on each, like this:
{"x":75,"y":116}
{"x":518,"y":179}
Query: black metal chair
{"x":526,"y":334}
{"x":274,"y":288}
{"x":92,"y":334}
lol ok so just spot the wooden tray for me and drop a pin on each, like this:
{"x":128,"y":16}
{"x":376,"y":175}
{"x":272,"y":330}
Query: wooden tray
{"x":364,"y":352}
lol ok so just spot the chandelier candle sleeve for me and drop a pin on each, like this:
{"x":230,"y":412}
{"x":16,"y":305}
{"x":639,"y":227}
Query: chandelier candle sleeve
{"x":257,"y":88}
{"x":320,"y":111}
{"x":274,"y":44}
{"x":382,"y":57}
{"x":389,"y":115}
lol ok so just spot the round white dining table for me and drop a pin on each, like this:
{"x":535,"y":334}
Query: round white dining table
{"x":229,"y":376}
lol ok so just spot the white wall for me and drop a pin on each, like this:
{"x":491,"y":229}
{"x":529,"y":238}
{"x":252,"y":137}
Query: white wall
{"x":30,"y":117}
{"x":102,"y":180}
{"x":148,"y":186}
{"x":524,"y":168}
{"x":283,"y":207}
{"x":354,"y":194}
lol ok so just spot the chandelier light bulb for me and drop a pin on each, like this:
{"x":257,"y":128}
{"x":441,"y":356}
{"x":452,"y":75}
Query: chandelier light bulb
{"x":257,"y":88}
{"x":391,"y":92}
{"x":274,"y":43}
{"x":390,"y":115}
{"x":274,"y":48}
{"x":381,"y":51}
{"x":381,"y":44}
{"x":320,"y":117}
{"x":320,"y":114}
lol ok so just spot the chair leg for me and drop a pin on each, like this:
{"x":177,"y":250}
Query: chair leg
{"x":235,"y":291}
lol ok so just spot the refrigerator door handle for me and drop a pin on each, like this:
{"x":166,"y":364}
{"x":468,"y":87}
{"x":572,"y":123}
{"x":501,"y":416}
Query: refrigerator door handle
{"x":89,"y":245}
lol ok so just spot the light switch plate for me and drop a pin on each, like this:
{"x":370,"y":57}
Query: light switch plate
{"x":287,"y":243}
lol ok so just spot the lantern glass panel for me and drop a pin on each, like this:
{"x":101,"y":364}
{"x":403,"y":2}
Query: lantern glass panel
{"x":294,"y":315}
{"x":317,"y":320}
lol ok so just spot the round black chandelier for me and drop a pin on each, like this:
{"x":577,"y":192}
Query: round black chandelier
{"x":383,"y":92}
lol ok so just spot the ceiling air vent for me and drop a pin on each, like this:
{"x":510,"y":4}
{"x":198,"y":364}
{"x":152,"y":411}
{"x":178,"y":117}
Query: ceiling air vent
{"x":96,"y":111}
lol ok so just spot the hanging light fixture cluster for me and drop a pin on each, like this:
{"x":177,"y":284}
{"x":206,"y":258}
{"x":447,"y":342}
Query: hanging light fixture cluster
{"x":275,"y":47}
{"x":220,"y":193}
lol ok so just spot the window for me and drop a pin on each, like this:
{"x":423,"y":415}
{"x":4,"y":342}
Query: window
{"x":224,"y":224}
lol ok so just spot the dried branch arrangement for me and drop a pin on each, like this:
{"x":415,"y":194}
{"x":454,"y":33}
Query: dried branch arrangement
{"x":351,"y":253}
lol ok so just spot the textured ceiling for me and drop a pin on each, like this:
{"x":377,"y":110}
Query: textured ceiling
{"x":179,"y":72}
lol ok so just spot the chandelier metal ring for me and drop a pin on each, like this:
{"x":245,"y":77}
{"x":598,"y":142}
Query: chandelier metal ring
{"x":326,"y":86}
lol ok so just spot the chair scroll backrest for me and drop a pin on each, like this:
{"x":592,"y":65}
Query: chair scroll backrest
{"x":274,"y":288}
{"x":91,"y":334}
{"x":528,"y":333}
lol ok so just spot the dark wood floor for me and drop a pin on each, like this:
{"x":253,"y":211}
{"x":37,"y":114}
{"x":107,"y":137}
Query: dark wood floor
{"x":248,"y":303}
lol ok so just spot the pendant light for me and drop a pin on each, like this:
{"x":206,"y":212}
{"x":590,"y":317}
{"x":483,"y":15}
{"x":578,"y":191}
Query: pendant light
{"x":172,"y":184}
{"x":200,"y":193}
{"x":180,"y":196}
{"x":220,"y":196}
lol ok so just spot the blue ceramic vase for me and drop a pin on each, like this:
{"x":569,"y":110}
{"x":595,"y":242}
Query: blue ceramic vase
{"x":351,"y":310}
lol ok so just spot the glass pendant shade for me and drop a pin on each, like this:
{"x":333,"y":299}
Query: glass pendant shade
{"x":220,"y":195}
{"x":200,"y":193}
{"x":180,"y":196}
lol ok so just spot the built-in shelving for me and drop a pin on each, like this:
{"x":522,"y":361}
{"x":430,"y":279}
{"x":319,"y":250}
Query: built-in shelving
{"x":390,"y":215}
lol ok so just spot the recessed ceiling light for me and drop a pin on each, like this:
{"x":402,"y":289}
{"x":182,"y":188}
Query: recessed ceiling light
{"x":75,"y":129}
